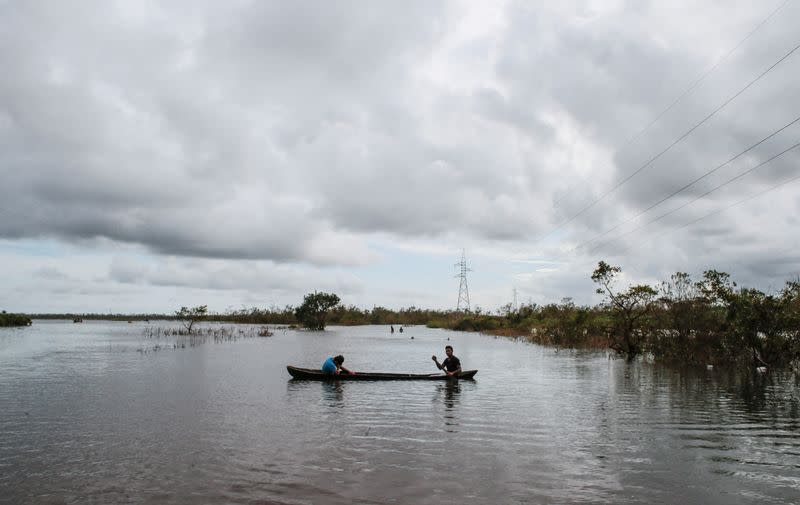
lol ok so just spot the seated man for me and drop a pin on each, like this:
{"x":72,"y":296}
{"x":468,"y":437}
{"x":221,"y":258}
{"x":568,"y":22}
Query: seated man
{"x":451,"y":365}
{"x":333,"y":366}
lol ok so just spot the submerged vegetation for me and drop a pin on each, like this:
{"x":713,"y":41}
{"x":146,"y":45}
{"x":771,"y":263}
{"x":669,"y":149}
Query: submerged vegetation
{"x":190,"y":316}
{"x":706,"y":321}
{"x":158,"y":338}
{"x":7,"y":319}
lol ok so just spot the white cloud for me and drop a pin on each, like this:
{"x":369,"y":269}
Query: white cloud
{"x":264,"y":148}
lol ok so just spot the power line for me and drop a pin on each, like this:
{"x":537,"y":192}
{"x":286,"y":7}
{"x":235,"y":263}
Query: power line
{"x":694,"y":84}
{"x":687,"y":186}
{"x":746,"y":172}
{"x":674,"y":143}
{"x":707,"y":73}
{"x":776,"y":186}
{"x":718,"y":211}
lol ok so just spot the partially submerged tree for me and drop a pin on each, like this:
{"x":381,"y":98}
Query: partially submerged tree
{"x":790,"y":295}
{"x":7,"y":319}
{"x":758,"y":325}
{"x":628,"y":310}
{"x":678,"y":296}
{"x":189,"y":316}
{"x":314,"y":310}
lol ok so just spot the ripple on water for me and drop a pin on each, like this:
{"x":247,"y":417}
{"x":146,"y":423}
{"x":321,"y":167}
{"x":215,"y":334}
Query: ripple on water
{"x":83,"y":419}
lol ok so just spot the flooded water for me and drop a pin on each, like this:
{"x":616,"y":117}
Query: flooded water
{"x":87,"y":417}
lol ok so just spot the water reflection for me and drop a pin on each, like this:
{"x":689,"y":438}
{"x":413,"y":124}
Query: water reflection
{"x":448,"y":396}
{"x":534,"y":427}
{"x":452,"y":390}
{"x":333,"y":393}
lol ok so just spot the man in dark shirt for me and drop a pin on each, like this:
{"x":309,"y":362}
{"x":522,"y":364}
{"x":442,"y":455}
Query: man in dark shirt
{"x":451,"y":365}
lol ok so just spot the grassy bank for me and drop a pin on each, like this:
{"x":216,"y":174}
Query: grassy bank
{"x":564,"y":325}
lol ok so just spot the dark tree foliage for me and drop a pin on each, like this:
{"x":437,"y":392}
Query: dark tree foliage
{"x":190,"y":316}
{"x":762,"y":325}
{"x":255,"y":315}
{"x":7,"y":319}
{"x":314,"y":310}
{"x":628,"y":310}
{"x":567,"y":325}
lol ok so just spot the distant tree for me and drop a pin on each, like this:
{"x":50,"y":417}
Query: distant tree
{"x":716,"y":287}
{"x":314,"y":310}
{"x":679,"y":315}
{"x":628,"y":310}
{"x":564,"y":324}
{"x":382,"y":315}
{"x":189,"y":316}
{"x":14,"y":319}
{"x":791,"y":299}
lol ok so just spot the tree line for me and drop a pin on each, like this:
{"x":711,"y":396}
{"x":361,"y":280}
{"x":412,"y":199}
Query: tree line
{"x":705,"y":321}
{"x":709,"y":320}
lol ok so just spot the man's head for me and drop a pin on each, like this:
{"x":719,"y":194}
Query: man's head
{"x":448,"y":349}
{"x":338,"y":359}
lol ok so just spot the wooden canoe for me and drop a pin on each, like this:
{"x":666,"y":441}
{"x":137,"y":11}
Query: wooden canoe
{"x":312,"y":374}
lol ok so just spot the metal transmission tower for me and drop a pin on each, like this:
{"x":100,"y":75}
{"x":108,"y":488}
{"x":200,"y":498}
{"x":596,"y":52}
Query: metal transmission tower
{"x":463,"y":291}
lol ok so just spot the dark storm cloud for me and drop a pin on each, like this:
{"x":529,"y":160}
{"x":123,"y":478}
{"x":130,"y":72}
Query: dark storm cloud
{"x":283,"y":132}
{"x":252,"y":276}
{"x":613,"y":75}
{"x":180,"y":132}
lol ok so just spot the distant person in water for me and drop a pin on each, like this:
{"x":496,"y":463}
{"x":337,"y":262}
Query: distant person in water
{"x":392,"y":327}
{"x":451,"y":365}
{"x":401,"y":329}
{"x":333,"y":366}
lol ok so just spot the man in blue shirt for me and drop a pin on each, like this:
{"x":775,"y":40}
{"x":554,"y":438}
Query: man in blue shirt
{"x":333,"y":366}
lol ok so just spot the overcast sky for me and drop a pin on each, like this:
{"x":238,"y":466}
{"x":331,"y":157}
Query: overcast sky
{"x":244,"y":153}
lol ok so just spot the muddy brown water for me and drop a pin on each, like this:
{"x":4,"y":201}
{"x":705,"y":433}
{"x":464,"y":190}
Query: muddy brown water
{"x":87,"y":417}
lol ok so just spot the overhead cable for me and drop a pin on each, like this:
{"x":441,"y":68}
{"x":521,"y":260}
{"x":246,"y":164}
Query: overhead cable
{"x":688,"y":185}
{"x":694,"y":84}
{"x":718,"y":211}
{"x":729,"y":181}
{"x":675,"y":142}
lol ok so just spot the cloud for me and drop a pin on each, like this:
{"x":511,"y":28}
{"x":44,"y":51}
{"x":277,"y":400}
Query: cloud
{"x":51,"y":273}
{"x":252,"y":276}
{"x":178,"y":150}
{"x":299,"y":144}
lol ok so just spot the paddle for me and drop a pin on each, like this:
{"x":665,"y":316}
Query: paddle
{"x":440,"y":367}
